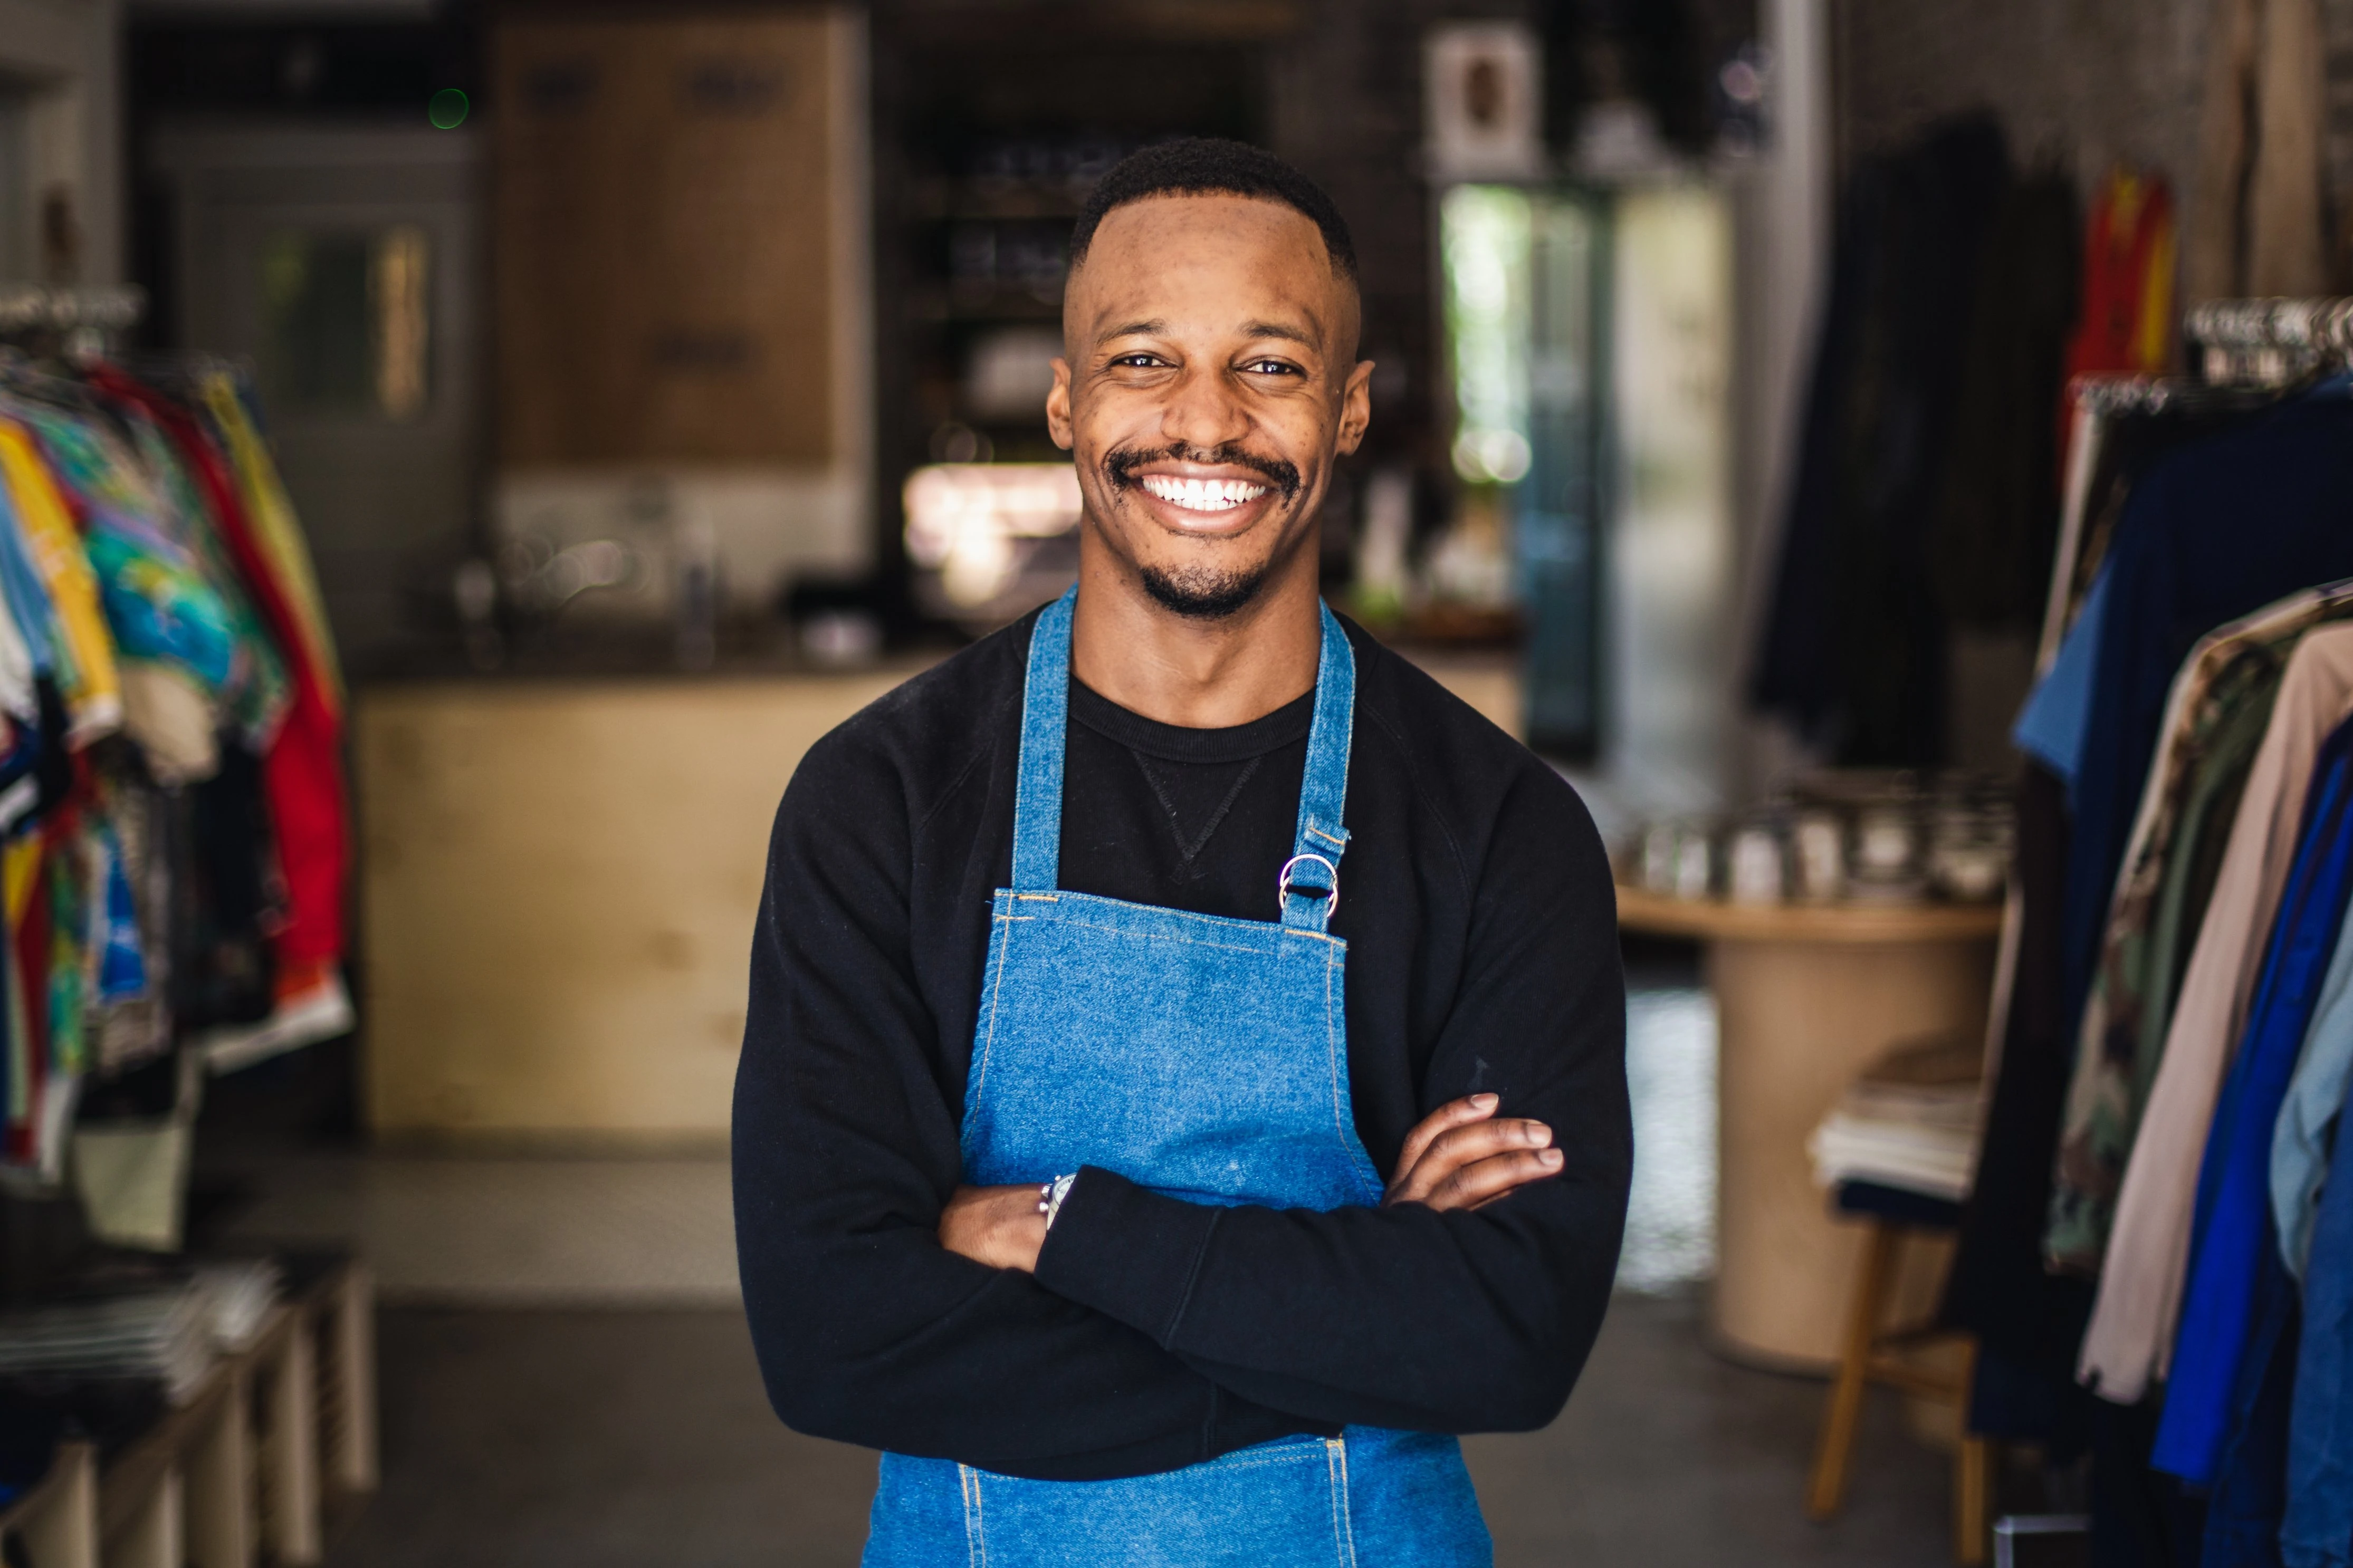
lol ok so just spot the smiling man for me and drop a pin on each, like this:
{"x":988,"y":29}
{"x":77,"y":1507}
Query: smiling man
{"x":1146,"y":1195}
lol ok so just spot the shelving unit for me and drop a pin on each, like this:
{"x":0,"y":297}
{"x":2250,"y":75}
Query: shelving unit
{"x":274,"y":1447}
{"x":989,"y":139}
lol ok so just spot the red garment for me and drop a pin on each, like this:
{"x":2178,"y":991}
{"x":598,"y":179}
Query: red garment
{"x":2125,"y":324}
{"x":30,"y":957}
{"x":302,"y":772}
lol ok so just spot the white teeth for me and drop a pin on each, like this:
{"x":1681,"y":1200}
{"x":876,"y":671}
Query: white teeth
{"x":1202,"y":495}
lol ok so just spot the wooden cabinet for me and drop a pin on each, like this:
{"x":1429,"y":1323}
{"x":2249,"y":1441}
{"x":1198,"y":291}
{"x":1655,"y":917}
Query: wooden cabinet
{"x":682,"y":278}
{"x":667,"y":272}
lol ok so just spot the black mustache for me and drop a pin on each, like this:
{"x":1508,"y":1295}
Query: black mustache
{"x":1120,"y":465}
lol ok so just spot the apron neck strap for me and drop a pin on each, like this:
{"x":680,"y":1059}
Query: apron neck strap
{"x":1045,"y":731}
{"x":1308,"y":885}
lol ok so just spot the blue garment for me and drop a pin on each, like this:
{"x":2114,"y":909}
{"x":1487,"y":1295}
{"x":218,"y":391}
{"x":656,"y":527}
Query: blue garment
{"x":2249,"y":1495}
{"x":2318,"y":1530}
{"x":122,"y":961}
{"x":2214,"y":531}
{"x":1205,"y":1057}
{"x":2050,"y":726}
{"x":2231,"y":1223}
{"x":2314,"y":1097}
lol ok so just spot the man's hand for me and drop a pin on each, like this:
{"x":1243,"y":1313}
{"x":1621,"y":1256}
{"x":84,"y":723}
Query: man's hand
{"x":1464,"y":1157}
{"x":997,"y":1226}
{"x":1460,"y":1156}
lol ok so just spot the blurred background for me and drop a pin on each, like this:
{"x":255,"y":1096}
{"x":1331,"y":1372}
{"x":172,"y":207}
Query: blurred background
{"x":466,"y":450}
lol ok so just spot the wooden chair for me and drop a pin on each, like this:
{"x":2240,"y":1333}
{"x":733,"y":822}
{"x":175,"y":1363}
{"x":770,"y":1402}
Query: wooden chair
{"x":1869,"y":1356}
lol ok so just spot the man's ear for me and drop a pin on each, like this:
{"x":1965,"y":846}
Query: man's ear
{"x":1355,"y":407}
{"x":1057,"y":407}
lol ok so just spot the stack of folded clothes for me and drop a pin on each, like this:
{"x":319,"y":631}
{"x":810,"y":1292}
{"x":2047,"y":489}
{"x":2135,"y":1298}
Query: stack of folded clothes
{"x":158,"y":1333}
{"x":1912,"y":1121}
{"x":238,"y":1296}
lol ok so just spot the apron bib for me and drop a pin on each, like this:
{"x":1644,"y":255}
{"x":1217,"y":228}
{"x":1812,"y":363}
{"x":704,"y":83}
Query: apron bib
{"x":1207,"y":1058}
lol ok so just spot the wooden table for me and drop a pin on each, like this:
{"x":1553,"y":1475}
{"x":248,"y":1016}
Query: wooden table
{"x":1805,"y":997}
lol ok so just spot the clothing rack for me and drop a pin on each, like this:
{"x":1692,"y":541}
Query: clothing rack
{"x":85,"y":320}
{"x":2243,"y":347}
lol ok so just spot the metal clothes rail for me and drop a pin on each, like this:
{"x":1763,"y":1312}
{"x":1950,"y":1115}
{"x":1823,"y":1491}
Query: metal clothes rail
{"x":36,"y":307}
{"x":2270,"y":342}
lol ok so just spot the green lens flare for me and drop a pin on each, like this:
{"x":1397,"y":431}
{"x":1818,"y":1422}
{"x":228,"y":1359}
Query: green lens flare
{"x":449,"y":109}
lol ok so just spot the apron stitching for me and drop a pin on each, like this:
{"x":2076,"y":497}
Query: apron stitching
{"x":1332,"y":1055}
{"x":1358,"y":1158}
{"x":995,"y":990}
{"x":1229,"y":923}
{"x":976,"y":1548}
{"x":1343,"y":1526}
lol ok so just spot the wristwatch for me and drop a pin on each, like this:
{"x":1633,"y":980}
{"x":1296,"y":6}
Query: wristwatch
{"x":1050,"y":1196}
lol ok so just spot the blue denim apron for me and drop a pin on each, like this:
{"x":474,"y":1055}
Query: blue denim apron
{"x":1207,"y":1058}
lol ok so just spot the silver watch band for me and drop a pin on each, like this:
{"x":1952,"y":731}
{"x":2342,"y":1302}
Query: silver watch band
{"x":1056,"y":1191}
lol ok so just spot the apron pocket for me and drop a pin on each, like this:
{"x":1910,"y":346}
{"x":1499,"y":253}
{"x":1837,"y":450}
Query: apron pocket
{"x":1277,"y":1505}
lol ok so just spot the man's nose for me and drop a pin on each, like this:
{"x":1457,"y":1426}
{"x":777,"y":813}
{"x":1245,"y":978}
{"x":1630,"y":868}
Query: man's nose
{"x":1203,"y":413}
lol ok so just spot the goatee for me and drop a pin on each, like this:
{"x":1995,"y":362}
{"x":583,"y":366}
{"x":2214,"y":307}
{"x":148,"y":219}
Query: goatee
{"x":1204,"y":593}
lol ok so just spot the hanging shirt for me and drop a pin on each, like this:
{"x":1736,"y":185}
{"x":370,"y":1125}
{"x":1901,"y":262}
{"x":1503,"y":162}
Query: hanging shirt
{"x":19,"y":628}
{"x":277,"y":536}
{"x":93,"y":694}
{"x":2309,"y":1115}
{"x":2125,"y":320}
{"x":2318,"y":1531}
{"x":303,"y":763}
{"x":157,"y":601}
{"x":2214,"y":719}
{"x":259,"y":689}
{"x":2131,"y":1333}
{"x":2231,"y":1231}
{"x":2050,"y":726}
{"x":2212,"y":532}
{"x":2151,"y":932}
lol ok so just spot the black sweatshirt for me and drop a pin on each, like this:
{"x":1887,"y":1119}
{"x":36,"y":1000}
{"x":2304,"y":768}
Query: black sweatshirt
{"x":1482,"y":955}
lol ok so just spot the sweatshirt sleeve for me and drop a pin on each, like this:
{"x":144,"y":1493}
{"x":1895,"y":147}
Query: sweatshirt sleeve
{"x":1406,"y":1317}
{"x":845,"y":1149}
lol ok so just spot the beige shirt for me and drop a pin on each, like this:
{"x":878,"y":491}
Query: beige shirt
{"x":2130,"y":1338}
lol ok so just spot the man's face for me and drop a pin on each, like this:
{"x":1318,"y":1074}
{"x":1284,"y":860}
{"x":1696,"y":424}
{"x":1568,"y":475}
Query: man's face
{"x":1210,"y":377}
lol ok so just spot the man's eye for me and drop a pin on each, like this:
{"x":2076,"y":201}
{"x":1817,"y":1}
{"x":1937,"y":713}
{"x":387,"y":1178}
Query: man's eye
{"x":1271,"y":367}
{"x":1138,"y":362}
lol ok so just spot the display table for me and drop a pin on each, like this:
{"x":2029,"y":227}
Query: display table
{"x":1805,"y":997}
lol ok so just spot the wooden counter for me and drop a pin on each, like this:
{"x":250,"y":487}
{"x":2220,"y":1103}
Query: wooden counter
{"x":559,"y":881}
{"x":1808,"y":996}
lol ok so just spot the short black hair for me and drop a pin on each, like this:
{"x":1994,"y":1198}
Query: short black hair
{"x":1206,"y":165}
